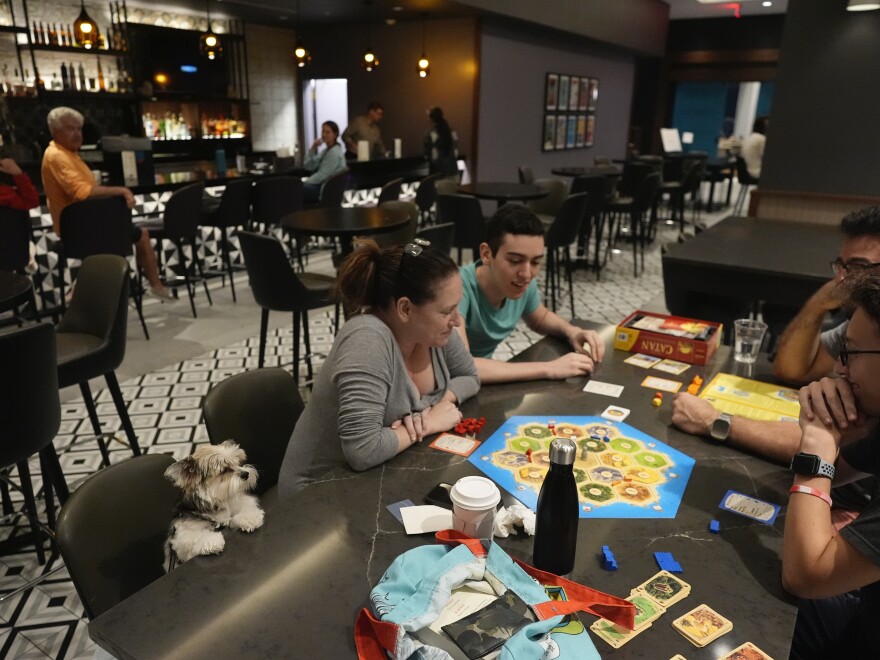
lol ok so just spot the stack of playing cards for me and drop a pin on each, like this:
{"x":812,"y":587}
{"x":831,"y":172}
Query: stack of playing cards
{"x":747,"y":651}
{"x":651,"y":599}
{"x":702,"y":625}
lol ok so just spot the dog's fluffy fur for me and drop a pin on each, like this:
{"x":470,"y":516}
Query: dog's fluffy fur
{"x":215,"y":485}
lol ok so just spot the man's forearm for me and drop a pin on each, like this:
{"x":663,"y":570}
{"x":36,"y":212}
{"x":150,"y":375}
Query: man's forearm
{"x":800,"y":356}
{"x":497,"y":371}
{"x":777,"y":441}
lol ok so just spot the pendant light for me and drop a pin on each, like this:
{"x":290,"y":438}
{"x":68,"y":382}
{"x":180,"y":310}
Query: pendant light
{"x":301,"y":54}
{"x":370,"y":61}
{"x":423,"y":68}
{"x":85,"y":29}
{"x":209,"y":43}
{"x":862,"y":5}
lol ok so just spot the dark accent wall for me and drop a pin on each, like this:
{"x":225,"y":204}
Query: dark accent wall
{"x":451,"y":47}
{"x":824,"y":129}
{"x":746,"y":33}
{"x":515,"y":59}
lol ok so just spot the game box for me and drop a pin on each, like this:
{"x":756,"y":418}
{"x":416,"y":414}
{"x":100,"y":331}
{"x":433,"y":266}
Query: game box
{"x":670,"y":337}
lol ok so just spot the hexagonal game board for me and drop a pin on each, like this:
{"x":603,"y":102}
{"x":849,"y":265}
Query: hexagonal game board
{"x":620,"y":472}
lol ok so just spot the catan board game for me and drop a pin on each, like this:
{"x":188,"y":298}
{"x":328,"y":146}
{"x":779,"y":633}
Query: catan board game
{"x":620,"y":472}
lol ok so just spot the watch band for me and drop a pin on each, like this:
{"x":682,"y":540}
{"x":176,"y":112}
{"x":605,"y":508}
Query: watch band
{"x":810,"y":465}
{"x":720,"y":429}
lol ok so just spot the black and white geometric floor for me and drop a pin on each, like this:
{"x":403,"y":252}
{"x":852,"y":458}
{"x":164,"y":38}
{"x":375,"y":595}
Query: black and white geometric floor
{"x":165,"y":407}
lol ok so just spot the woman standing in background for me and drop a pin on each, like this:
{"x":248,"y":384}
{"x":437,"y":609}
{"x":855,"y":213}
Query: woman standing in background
{"x":441,"y":146}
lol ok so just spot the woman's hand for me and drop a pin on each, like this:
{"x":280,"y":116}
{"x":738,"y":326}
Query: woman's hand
{"x":440,"y":417}
{"x":316,"y":144}
{"x":830,"y":401}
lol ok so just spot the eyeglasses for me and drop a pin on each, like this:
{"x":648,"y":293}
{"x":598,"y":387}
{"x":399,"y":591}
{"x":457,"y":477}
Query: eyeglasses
{"x":844,"y":354}
{"x":413,"y":249}
{"x":841,"y":267}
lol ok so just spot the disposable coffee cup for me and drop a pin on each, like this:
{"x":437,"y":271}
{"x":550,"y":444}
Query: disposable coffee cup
{"x":474,"y":501}
{"x":748,"y":335}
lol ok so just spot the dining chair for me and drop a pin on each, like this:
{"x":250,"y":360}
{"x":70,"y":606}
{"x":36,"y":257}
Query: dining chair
{"x":233,"y":211}
{"x":598,"y":190}
{"x":406,"y":233}
{"x":180,"y":224}
{"x":112,"y":530}
{"x":15,"y":238}
{"x":426,"y":197}
{"x":446,"y":186}
{"x":91,"y":339}
{"x":390,"y":192}
{"x":332,"y":190}
{"x":525,"y":174}
{"x":441,"y":236}
{"x":546,"y":208}
{"x":560,"y":236}
{"x":100,"y":225}
{"x":466,"y":214}
{"x":273,"y":198}
{"x":276,"y":287}
{"x":257,"y":409}
{"x":746,"y":180}
{"x":641,"y":206}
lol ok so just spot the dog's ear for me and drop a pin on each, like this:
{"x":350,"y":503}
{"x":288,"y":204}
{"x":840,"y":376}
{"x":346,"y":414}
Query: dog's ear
{"x":235,"y":450}
{"x":181,"y":472}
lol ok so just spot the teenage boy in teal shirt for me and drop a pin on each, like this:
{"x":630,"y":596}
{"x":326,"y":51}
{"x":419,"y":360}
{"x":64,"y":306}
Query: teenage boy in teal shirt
{"x":500,"y":289}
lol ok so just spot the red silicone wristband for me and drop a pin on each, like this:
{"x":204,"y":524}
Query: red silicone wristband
{"x":815,"y":492}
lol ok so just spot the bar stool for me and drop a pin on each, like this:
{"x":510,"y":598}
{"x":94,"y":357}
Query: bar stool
{"x":390,"y":191}
{"x":91,"y":338}
{"x":745,"y":181}
{"x":233,"y":211}
{"x":15,"y":236}
{"x":561,"y":234}
{"x":426,"y":197}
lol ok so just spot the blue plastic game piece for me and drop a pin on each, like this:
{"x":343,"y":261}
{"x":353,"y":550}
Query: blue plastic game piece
{"x":667,"y":562}
{"x":714,"y":527}
{"x":608,"y":561}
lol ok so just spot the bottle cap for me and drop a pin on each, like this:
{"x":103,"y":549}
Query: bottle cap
{"x":562,"y":451}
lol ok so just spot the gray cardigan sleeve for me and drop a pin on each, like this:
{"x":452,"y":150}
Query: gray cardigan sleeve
{"x":463,"y":379}
{"x":364,"y":378}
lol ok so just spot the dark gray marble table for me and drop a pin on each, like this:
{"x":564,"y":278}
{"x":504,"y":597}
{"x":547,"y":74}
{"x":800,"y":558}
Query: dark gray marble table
{"x":294,"y":587}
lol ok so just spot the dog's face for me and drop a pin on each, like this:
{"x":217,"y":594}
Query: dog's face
{"x":213,"y":474}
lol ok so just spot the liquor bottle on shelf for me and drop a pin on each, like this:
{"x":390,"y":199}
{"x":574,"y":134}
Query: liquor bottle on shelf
{"x":56,"y":84}
{"x":43,"y":38}
{"x":65,"y":79}
{"x":556,"y":519}
{"x":123,"y":44}
{"x":65,"y":39}
{"x":7,"y":85}
{"x":82,"y":79}
{"x":71,"y":71}
{"x":102,"y":85}
{"x":35,"y":35}
{"x":72,"y":36}
{"x":53,"y":36}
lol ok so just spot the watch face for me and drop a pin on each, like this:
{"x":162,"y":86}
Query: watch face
{"x":805,"y":464}
{"x":720,"y":428}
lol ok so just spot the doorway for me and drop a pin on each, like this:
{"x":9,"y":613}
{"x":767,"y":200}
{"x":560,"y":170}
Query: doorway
{"x":324,"y":99}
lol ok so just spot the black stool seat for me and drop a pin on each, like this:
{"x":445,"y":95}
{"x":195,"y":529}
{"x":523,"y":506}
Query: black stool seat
{"x":77,"y":352}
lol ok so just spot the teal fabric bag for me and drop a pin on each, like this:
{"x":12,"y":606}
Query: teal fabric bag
{"x":418,"y":584}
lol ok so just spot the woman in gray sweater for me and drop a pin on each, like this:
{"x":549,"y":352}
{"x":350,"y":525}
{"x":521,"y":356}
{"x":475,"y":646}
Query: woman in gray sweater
{"x":397,"y":370}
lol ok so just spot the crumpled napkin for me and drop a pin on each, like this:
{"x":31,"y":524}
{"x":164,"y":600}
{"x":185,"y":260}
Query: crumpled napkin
{"x":514,"y":516}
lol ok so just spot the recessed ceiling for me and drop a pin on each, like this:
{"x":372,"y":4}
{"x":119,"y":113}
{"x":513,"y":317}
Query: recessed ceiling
{"x":679,"y":9}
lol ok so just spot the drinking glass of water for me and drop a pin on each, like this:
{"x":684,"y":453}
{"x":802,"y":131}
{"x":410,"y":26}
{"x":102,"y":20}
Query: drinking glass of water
{"x":748,"y":335}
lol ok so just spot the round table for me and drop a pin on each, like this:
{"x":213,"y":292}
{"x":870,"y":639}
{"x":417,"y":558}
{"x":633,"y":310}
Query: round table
{"x":597,"y":170}
{"x":503,"y":191}
{"x":345,"y":223}
{"x":15,"y":291}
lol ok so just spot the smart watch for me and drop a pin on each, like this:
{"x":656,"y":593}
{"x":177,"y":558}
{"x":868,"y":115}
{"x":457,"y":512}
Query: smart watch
{"x":720,"y":428}
{"x":810,"y":465}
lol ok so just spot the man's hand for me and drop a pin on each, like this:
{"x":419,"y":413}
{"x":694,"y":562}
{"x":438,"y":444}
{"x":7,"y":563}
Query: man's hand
{"x":830,"y":401}
{"x":128,"y":196}
{"x":588,"y":342}
{"x":692,"y":414}
{"x":569,"y":366}
{"x":9,"y":166}
{"x":829,"y":296}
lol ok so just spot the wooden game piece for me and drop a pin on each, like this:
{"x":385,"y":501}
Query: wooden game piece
{"x":657,"y":400}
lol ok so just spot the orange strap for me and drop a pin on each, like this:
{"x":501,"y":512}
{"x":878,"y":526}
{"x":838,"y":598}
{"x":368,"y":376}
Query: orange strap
{"x":373,"y":637}
{"x":580,"y":597}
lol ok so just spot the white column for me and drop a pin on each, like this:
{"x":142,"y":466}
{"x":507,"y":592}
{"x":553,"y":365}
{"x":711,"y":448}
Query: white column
{"x":746,"y":108}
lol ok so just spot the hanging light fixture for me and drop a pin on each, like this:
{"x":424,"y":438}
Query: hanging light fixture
{"x":301,"y":54}
{"x":424,"y":66}
{"x":85,"y":29}
{"x":370,"y":61}
{"x":209,"y":43}
{"x":862,"y":5}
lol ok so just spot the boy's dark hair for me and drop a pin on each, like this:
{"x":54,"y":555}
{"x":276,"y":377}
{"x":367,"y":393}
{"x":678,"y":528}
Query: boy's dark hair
{"x":864,"y":222}
{"x":760,"y":125}
{"x":374,"y":105}
{"x":862,"y":289}
{"x":513,"y":219}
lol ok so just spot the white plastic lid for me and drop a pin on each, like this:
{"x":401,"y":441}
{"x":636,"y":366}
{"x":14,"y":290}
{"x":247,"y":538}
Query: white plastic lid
{"x":475,"y":493}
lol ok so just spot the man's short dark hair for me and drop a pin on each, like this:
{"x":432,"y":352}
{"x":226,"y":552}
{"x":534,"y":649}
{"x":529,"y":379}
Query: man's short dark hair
{"x":513,"y":219}
{"x":760,"y":125}
{"x":374,"y":105}
{"x":865,"y":222}
{"x":862,"y":289}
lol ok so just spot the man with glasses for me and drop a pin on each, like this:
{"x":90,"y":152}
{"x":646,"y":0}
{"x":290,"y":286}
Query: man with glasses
{"x":500,"y":289}
{"x":804,"y":353}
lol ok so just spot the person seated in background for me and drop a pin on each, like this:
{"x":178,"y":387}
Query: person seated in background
{"x":68,"y":179}
{"x":500,"y":289}
{"x":397,"y":370}
{"x":752,"y":150}
{"x":805,"y":352}
{"x":838,"y":573}
{"x":324,"y":165}
{"x":366,"y":127}
{"x":440,"y":146}
{"x":17,"y":191}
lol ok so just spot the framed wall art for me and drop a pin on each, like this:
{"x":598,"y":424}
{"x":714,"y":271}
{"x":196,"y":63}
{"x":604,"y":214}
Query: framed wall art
{"x":569,"y":111}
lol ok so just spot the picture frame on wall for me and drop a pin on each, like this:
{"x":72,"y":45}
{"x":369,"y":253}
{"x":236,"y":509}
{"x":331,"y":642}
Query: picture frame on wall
{"x":574,"y":93}
{"x":562,"y":96}
{"x":594,"y":94}
{"x":570,"y":131}
{"x":551,"y":88}
{"x":549,"y":132}
{"x":590,"y":130}
{"x":560,"y":131}
{"x":583,"y":96}
{"x":581,"y":133}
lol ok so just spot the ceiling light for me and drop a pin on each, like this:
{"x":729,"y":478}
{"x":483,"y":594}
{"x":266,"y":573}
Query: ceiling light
{"x":301,"y":54}
{"x":209,"y":43}
{"x":862,"y":5}
{"x":370,"y":61}
{"x":85,"y":29}
{"x":423,"y":67}
{"x":766,"y":3}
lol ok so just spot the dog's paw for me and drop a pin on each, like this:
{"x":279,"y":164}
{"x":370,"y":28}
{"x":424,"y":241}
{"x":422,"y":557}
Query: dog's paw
{"x":211,"y":544}
{"x":249,"y":521}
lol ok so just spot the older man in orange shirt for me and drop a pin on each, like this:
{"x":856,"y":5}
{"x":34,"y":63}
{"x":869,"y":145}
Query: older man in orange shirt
{"x":67,"y":179}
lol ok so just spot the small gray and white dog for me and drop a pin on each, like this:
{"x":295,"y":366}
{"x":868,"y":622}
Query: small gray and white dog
{"x":216,"y":485}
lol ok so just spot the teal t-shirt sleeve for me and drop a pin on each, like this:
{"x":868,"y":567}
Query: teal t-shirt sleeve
{"x":532,"y":299}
